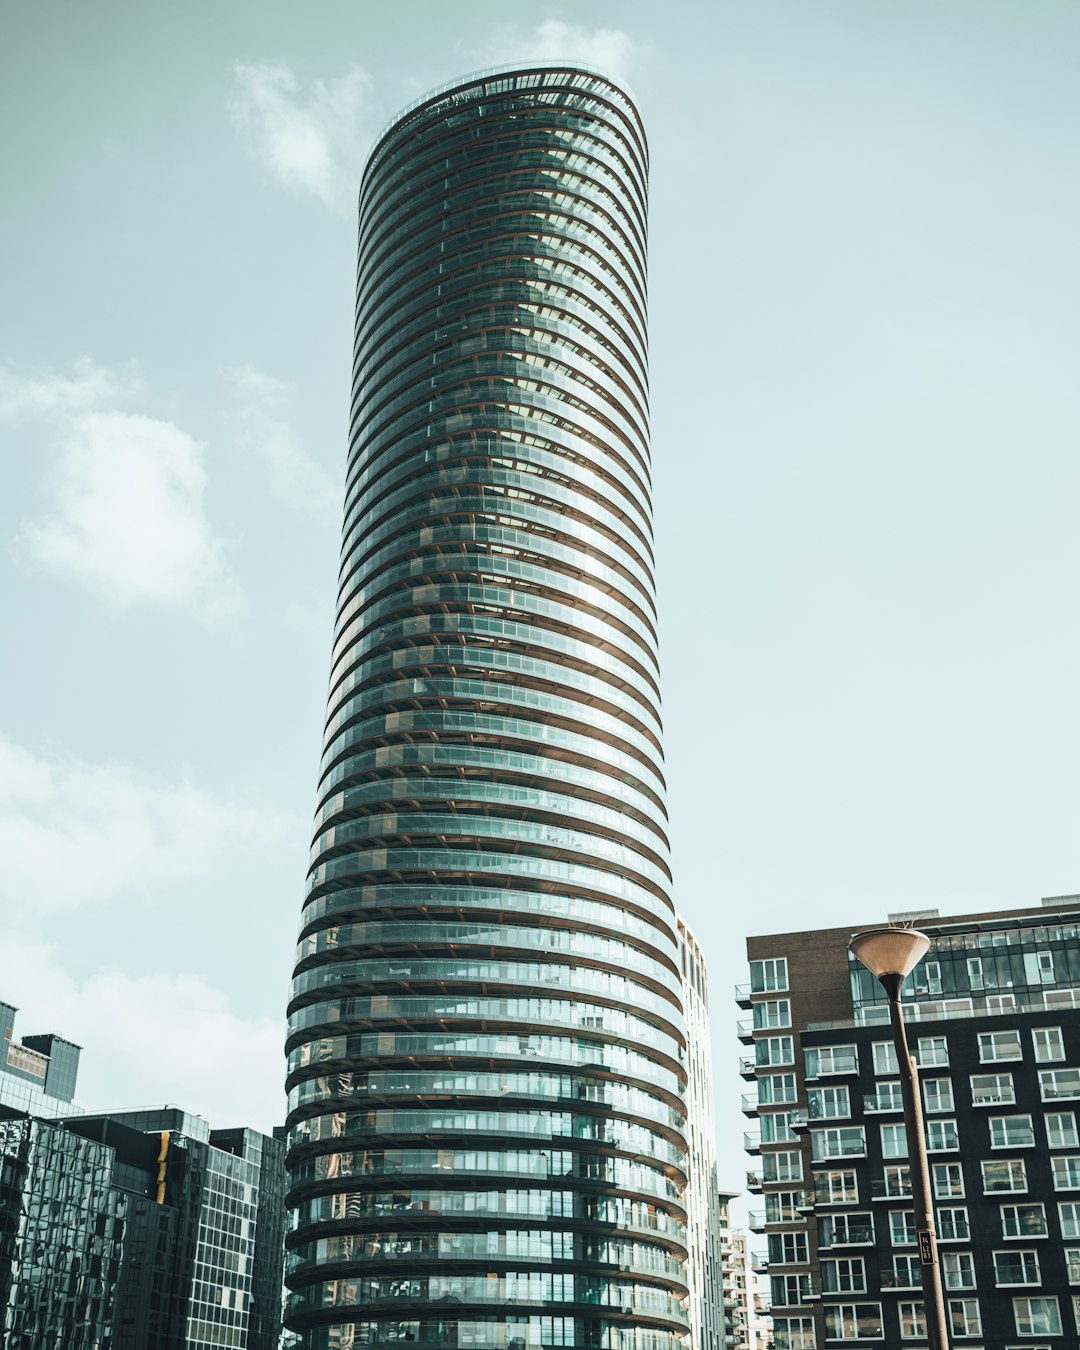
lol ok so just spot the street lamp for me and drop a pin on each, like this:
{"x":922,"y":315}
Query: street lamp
{"x":890,"y":955}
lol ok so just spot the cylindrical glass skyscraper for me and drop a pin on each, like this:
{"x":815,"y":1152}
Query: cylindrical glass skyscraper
{"x":486,"y":1044}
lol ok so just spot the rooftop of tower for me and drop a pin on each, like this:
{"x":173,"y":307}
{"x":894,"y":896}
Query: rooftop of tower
{"x":490,"y":73}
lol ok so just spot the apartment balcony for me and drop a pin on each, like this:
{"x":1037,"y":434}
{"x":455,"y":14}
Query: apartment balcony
{"x":747,"y":1066}
{"x":756,"y":1220}
{"x":749,"y":1104}
{"x":798,"y":1121}
{"x":752,"y":1143}
{"x":742,"y":995}
{"x":759,"y":1263}
{"x":851,"y":1235}
{"x":883,"y":1104}
{"x":895,"y":1188}
{"x":900,"y":1282}
{"x":753,"y":1182}
{"x":745,"y":1030}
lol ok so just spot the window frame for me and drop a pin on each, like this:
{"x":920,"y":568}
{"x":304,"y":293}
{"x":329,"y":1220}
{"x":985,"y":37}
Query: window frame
{"x":965,"y":1304}
{"x":1042,"y":1298}
{"x":933,"y":1060}
{"x":963,"y":1264}
{"x":952,"y":1210}
{"x":1046,"y":1076}
{"x":779,"y":970}
{"x":845,"y":1311}
{"x":954,"y":1172}
{"x":1030,"y":1205}
{"x":1022,"y":1253}
{"x":1011,"y":1164}
{"x":1073,"y":1141}
{"x":992,"y":1100}
{"x":1040,"y":1051}
{"x":989,"y":1039}
{"x":1006,"y":1142}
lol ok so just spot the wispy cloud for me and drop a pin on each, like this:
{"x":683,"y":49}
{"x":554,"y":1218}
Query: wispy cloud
{"x":612,"y":49}
{"x":129,"y":522}
{"x":311,"y":142}
{"x":152,"y":1038}
{"x":28,"y":394}
{"x":74,"y":833}
{"x":128,"y":517}
{"x":263,"y":410}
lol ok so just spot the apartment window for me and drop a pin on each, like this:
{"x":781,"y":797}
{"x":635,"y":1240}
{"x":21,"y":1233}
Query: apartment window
{"x":1037,"y":1316}
{"x":828,"y":1103}
{"x":931,"y":972}
{"x":776,"y":1128}
{"x":774,"y":1051}
{"x":827,"y":1059}
{"x":948,"y":1181}
{"x":1019,"y":1265}
{"x":902,"y":1227}
{"x":906,"y":1273}
{"x":772,"y":1012}
{"x":1049,"y":1044}
{"x":1057,"y":1085}
{"x":767,"y":977}
{"x":999,"y":1045}
{"x":933,"y":1052}
{"x":1066,"y":1172}
{"x":1023,"y":1221}
{"x":888,"y":1096}
{"x":785,"y":1166}
{"x":1069,"y":1218}
{"x":777,"y":1088}
{"x":788,"y":1249}
{"x":837,"y":1188}
{"x":843,"y":1275}
{"x":793,"y":1333}
{"x":937,"y":1094}
{"x":941,"y":1136}
{"x":846,"y":1141}
{"x":975,"y":972}
{"x":1011,"y":1132}
{"x":789,"y":1291}
{"x":1004,"y":1174}
{"x":1061,"y":1130}
{"x":952,"y":1224}
{"x":854,"y":1229}
{"x":884,"y":1058}
{"x":897,"y":1183}
{"x":912,"y":1322}
{"x":893,"y":1141}
{"x":783,"y":1206}
{"x":1072,"y":1264}
{"x":1039,"y":967}
{"x":958,"y":1270}
{"x":964,"y":1318}
{"x":853,"y":1322}
{"x":992,"y":1089}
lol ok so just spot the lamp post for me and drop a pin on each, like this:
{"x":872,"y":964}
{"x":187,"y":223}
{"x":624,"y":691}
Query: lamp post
{"x":890,"y":955}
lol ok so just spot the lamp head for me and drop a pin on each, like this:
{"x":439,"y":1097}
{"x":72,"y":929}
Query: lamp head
{"x":890,"y":951}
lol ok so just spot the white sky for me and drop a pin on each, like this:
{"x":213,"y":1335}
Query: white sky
{"x":864,"y":351}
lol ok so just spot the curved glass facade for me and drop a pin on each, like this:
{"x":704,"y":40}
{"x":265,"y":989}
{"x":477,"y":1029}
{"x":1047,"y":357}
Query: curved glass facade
{"x":486,"y":1048}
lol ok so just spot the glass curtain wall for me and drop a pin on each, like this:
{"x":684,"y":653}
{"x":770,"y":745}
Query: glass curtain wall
{"x":486,"y":1046}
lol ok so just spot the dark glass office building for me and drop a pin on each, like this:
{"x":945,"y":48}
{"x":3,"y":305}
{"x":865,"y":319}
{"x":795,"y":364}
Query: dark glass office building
{"x":136,"y":1230}
{"x":487,"y":1142}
